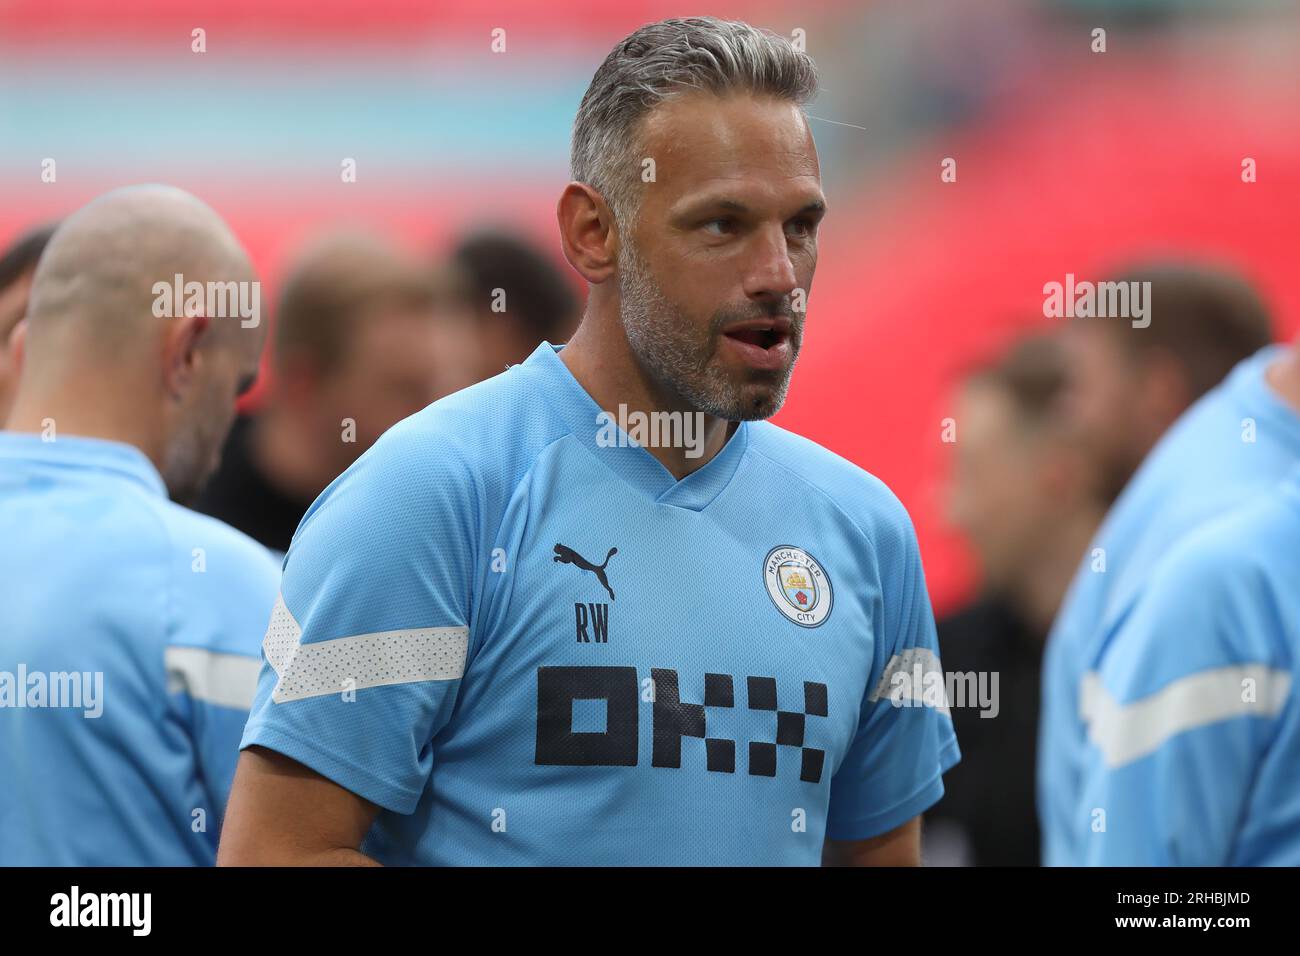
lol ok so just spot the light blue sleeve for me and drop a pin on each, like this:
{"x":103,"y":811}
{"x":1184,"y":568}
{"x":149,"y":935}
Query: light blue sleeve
{"x":365,"y":651}
{"x":904,"y":741}
{"x":224,"y":585}
{"x":1179,"y":709}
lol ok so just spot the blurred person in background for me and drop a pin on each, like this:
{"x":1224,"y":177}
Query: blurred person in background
{"x":107,"y":586}
{"x":359,"y":344}
{"x":519,"y":297}
{"x":1233,"y":445}
{"x":1128,"y":384}
{"x":1024,"y":493}
{"x":17,"y":266}
{"x":1197,"y":744}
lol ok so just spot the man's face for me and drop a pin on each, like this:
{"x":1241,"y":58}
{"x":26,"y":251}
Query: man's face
{"x":998,"y":497}
{"x":392,"y":369}
{"x":724,"y":237}
{"x":13,"y":306}
{"x":227,"y":370}
{"x":1103,"y":399}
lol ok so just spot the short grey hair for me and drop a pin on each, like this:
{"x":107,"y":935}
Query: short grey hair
{"x":658,"y":62}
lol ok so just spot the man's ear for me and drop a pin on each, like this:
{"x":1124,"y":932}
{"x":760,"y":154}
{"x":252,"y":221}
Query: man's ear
{"x":17,"y":345}
{"x":184,"y":334}
{"x":588,"y":234}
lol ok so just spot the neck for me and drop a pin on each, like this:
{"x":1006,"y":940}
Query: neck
{"x":599,"y":357}
{"x":89,"y":413}
{"x":1042,"y":584}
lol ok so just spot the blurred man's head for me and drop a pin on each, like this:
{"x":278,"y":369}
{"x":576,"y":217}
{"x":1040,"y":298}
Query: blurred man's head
{"x":356,"y":340}
{"x":1128,"y":384}
{"x":17,"y":266}
{"x":98,"y":358}
{"x":518,"y":296}
{"x":1019,"y":474}
{"x":693,"y":138}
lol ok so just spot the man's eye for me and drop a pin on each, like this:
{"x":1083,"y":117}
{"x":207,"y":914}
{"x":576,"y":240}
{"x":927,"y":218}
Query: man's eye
{"x":801,"y":228}
{"x":723,"y":224}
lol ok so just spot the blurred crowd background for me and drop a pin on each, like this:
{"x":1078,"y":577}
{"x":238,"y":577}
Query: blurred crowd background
{"x":928,"y":302}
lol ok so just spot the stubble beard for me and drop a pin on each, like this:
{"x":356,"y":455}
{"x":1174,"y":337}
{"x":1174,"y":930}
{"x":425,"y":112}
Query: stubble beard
{"x":671,"y":347}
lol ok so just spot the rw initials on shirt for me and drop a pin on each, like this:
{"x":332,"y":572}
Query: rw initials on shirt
{"x":595,"y":616}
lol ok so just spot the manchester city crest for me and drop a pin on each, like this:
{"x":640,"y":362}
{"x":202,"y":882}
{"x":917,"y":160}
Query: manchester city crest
{"x":797,"y":585}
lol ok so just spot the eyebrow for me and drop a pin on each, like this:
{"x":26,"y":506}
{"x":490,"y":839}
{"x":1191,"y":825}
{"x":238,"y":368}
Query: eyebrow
{"x":817,"y":206}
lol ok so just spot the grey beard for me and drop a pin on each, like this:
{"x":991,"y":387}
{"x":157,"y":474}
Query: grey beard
{"x":663,"y":340}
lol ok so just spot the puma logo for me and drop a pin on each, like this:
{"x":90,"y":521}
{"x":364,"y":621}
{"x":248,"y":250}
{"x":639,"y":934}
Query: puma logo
{"x":566,"y":555}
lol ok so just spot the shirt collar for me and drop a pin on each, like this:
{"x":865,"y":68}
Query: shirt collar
{"x":111,"y":458}
{"x":593,"y":427}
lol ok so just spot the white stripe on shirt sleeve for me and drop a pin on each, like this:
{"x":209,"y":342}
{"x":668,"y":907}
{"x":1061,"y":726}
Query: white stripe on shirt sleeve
{"x":923,"y":674}
{"x":1127,"y":732}
{"x":364,"y":660}
{"x":227,"y":680}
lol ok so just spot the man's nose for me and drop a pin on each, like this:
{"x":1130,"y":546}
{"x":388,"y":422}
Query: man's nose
{"x":772,"y":274}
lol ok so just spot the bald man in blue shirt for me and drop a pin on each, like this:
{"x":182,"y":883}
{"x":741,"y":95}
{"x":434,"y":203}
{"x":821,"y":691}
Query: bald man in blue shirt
{"x":130,"y":626}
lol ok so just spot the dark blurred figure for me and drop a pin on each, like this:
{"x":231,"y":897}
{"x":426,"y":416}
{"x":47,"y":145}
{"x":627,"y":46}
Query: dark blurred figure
{"x":520,"y":298}
{"x":17,"y":266}
{"x":356,"y":349}
{"x":1025,"y":495}
{"x":1128,"y":384}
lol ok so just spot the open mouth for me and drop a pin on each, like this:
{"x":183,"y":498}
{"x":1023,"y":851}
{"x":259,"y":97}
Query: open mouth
{"x":761,"y":345}
{"x":763,"y":338}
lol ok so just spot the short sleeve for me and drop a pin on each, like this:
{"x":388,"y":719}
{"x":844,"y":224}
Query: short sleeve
{"x":904,"y":741}
{"x":366,"y":648}
{"x":1179,"y":709}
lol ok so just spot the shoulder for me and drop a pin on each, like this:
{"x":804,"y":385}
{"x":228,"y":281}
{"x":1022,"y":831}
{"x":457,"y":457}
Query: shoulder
{"x":224,"y":583}
{"x":836,"y":483}
{"x":471,"y":430}
{"x":1199,"y":470}
{"x":1217,"y":598}
{"x":444,"y":471}
{"x":477,"y":430}
{"x":164,"y":532}
{"x":1227,"y":556}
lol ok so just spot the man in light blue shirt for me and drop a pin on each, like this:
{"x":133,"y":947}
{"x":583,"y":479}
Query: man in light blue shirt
{"x":1193,"y":754}
{"x":595,"y":610}
{"x":652,"y":657}
{"x":1233,"y":445}
{"x":129,"y":637}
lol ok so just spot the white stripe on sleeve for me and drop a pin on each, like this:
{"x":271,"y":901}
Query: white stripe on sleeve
{"x":227,"y":680}
{"x":364,"y":660}
{"x":1128,"y":732}
{"x":922,"y":678}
